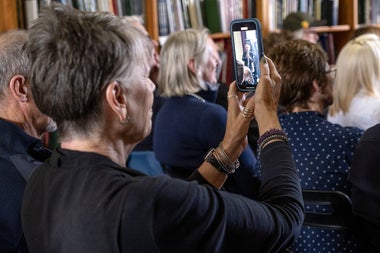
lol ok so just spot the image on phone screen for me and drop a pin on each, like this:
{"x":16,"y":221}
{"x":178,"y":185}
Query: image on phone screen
{"x":246,"y":45}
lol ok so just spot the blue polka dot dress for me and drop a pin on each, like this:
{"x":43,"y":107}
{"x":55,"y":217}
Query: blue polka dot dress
{"x":323,"y":153}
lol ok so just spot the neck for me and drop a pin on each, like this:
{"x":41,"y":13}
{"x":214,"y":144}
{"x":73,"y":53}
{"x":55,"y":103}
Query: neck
{"x":314,"y":107}
{"x":116,"y":151}
{"x":20,"y":115}
{"x":24,"y":125}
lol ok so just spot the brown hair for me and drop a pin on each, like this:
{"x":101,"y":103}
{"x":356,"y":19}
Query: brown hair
{"x":299,"y":63}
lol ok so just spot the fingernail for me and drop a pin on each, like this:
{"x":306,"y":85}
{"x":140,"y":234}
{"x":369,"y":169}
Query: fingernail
{"x":263,"y":59}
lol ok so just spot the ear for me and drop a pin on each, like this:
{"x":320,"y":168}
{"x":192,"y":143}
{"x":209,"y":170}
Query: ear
{"x":191,"y":65}
{"x":116,"y":100}
{"x":18,"y":87}
{"x":316,"y":86}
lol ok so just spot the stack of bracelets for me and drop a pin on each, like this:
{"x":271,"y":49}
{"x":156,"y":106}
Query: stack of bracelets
{"x":272,"y":134}
{"x":218,"y":158}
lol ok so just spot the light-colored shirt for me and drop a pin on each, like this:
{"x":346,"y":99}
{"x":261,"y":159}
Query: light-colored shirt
{"x":364,"y":112}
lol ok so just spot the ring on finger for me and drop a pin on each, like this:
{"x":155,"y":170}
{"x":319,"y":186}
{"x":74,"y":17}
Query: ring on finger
{"x":247,"y":113}
{"x":232,"y":96}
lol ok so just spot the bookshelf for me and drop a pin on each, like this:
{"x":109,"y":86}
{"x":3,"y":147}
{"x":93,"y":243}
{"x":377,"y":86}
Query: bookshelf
{"x":347,"y":20}
{"x":341,"y":33}
{"x":348,"y":17}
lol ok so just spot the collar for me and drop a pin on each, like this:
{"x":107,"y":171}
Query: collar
{"x":14,"y":141}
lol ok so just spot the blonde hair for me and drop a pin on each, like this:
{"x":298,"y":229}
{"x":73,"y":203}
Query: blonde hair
{"x":175,"y":77}
{"x":358,"y":68}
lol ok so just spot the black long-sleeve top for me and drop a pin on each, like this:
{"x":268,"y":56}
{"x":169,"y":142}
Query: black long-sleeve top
{"x":81,"y":202}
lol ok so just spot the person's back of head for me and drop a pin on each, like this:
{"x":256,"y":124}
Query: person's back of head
{"x":301,"y":25}
{"x":366,"y":29}
{"x":17,"y":103}
{"x":182,"y":59}
{"x":274,"y":38}
{"x":70,"y":48}
{"x":13,"y":60}
{"x":358,"y":68}
{"x":299,"y":63}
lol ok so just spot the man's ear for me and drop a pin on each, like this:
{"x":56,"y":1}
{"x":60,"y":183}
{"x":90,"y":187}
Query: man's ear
{"x":19,"y":88}
{"x":116,"y":100}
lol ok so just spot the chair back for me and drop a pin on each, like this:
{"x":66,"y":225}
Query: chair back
{"x":336,"y":209}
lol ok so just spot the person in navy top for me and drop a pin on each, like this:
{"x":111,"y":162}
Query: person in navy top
{"x":322,"y":151}
{"x":21,"y":128}
{"x":187,"y":125}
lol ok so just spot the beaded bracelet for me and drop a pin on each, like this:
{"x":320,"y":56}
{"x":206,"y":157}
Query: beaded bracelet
{"x":272,"y":134}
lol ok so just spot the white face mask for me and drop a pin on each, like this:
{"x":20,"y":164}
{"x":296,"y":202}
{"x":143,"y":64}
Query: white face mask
{"x":51,"y":126}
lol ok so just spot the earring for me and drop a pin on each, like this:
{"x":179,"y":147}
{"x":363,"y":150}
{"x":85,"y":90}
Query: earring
{"x":125,"y":121}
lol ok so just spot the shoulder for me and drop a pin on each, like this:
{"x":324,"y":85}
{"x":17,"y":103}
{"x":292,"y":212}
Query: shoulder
{"x":345,"y":131}
{"x":372,"y":133}
{"x":188,"y":106}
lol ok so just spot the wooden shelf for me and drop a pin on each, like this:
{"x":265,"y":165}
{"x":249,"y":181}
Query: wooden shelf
{"x":8,"y":15}
{"x":363,"y":25}
{"x":151,"y":18}
{"x":332,"y":29}
{"x":220,"y":36}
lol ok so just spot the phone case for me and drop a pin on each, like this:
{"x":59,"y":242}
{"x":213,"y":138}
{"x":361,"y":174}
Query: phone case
{"x":247,"y":50}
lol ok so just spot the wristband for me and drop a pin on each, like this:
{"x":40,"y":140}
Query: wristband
{"x":213,"y":157}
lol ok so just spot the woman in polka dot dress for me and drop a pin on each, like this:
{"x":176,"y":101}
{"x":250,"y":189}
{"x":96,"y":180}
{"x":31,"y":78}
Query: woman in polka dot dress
{"x":322,"y":151}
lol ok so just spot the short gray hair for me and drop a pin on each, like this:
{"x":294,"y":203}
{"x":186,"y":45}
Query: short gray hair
{"x":13,"y":60}
{"x":74,"y":56}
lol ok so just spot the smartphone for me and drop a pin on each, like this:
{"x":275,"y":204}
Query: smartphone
{"x":247,"y":50}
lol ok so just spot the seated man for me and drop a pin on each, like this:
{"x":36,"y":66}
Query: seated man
{"x":22,"y":126}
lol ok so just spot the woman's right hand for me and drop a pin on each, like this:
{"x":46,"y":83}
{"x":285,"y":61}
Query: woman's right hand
{"x":262,"y":106}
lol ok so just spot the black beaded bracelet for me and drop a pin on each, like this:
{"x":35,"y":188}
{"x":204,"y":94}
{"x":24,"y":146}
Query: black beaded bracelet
{"x":272,"y":134}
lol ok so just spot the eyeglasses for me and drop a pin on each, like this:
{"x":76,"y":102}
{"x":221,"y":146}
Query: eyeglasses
{"x":331,"y":72}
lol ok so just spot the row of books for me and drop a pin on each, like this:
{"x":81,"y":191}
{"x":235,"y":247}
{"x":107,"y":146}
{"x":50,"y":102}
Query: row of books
{"x":369,"y":12}
{"x":30,"y":8}
{"x":118,"y":7}
{"x":327,"y":10}
{"x":216,"y":15}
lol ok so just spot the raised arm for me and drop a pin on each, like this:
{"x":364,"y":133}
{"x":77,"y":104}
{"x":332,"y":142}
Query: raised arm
{"x":241,"y":111}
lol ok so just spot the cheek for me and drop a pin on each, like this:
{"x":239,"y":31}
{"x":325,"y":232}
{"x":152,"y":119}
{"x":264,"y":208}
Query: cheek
{"x":144,"y":98}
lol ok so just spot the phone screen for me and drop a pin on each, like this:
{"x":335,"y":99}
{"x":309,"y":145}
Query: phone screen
{"x":247,"y":50}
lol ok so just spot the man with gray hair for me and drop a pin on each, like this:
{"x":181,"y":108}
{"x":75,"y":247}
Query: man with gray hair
{"x":21,"y":127}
